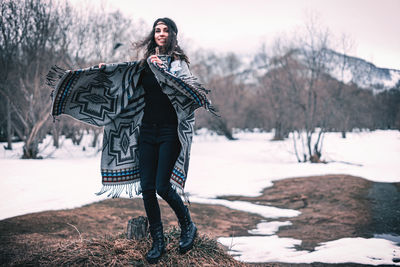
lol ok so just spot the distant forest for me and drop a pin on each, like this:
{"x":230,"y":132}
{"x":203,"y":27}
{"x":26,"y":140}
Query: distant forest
{"x":294,"y":95}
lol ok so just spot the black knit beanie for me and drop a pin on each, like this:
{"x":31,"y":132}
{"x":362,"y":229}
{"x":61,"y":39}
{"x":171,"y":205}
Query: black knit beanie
{"x":167,"y":21}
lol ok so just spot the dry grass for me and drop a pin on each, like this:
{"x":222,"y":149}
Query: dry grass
{"x":119,"y":251}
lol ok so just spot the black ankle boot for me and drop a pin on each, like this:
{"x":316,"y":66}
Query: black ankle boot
{"x":158,"y":247}
{"x":188,"y":232}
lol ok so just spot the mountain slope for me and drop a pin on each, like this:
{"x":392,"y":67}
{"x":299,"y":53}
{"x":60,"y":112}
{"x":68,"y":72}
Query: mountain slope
{"x":344,"y":68}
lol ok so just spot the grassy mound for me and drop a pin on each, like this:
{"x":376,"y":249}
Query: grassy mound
{"x":119,"y":251}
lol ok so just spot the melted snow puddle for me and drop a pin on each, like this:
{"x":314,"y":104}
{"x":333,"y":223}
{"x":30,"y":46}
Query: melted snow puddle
{"x":267,"y":247}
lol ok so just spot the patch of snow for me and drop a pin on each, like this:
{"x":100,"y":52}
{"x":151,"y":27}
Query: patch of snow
{"x":268,"y":228}
{"x":395,"y":75}
{"x":372,"y":251}
{"x":264,"y":211}
{"x":262,"y":248}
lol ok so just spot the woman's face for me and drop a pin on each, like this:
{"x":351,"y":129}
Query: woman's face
{"x":161,"y":34}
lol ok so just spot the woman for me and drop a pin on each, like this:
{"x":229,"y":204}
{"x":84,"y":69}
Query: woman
{"x":147,"y":110}
{"x":159,"y":145}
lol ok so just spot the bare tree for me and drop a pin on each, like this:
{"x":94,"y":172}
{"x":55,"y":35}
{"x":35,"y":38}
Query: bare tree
{"x":9,"y":43}
{"x":273,"y":94}
{"x":218,"y":73}
{"x":37,"y":34}
{"x":302,"y":65}
{"x":96,"y":36}
{"x":339,"y":63}
{"x":36,"y":27}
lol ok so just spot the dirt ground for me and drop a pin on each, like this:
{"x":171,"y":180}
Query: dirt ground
{"x":332,"y":207}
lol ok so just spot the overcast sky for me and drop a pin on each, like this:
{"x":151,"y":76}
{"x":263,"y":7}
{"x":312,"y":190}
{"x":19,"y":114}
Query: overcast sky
{"x":241,"y":26}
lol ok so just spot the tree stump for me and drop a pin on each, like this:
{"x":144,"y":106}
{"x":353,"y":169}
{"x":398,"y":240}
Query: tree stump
{"x":137,"y":228}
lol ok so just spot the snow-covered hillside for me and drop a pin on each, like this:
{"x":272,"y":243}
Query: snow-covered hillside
{"x":365,"y":74}
{"x":344,"y":68}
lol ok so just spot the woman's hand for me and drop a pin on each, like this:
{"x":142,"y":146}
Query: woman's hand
{"x":101,"y":65}
{"x":156,"y":59}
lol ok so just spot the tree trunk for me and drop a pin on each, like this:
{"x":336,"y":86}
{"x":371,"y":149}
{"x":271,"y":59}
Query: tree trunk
{"x":221,"y":127}
{"x":56,"y":136}
{"x":137,"y":228}
{"x":30,"y":150}
{"x":278,"y":131}
{"x":31,"y":147}
{"x":309,"y":139}
{"x":295,"y":147}
{"x":9,"y":126}
{"x":95,"y":138}
{"x":77,"y":137}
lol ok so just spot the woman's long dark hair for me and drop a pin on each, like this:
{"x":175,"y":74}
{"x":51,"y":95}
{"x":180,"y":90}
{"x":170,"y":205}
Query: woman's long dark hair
{"x":170,"y":48}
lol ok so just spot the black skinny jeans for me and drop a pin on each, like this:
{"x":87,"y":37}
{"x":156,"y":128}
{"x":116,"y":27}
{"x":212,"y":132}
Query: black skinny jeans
{"x":159,"y":148}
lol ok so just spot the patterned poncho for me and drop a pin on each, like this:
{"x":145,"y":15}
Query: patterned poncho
{"x":111,"y":96}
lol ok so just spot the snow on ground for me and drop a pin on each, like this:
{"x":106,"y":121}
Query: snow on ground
{"x":247,"y":165}
{"x":268,"y":228}
{"x":69,"y":177}
{"x":267,"y":247}
{"x":66,"y":178}
{"x":272,"y":248}
{"x":264,"y":211}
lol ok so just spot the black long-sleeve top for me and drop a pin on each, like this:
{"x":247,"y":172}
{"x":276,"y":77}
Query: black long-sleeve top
{"x":158,"y":109}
